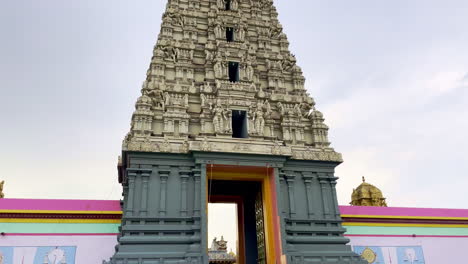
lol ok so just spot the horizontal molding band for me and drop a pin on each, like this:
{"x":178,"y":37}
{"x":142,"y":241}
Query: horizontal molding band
{"x":401,"y":230}
{"x":404,"y":225}
{"x":407,"y":221}
{"x":329,"y":240}
{"x":347,"y":235}
{"x":160,"y":228}
{"x":60,"y":221}
{"x":63,"y":228}
{"x":125,"y":240}
{"x":60,"y":234}
{"x":59,"y":212}
{"x":60,"y":216}
{"x":403,"y":217}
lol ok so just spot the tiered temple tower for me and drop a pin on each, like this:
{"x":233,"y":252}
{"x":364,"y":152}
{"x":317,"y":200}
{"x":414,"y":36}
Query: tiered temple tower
{"x":224,"y":113}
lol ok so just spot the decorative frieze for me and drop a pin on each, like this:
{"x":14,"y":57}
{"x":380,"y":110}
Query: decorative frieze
{"x":208,"y":63}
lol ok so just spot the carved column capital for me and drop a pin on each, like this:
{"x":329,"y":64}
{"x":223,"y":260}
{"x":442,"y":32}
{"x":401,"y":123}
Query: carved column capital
{"x":308,"y":176}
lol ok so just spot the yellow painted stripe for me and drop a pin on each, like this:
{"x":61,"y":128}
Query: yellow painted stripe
{"x":58,"y":212}
{"x":404,"y":217}
{"x":78,"y":221}
{"x":404,"y":225}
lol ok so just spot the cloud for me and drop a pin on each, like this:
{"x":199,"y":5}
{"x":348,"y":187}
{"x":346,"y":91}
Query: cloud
{"x":365,"y":162}
{"x":445,"y":81}
{"x":464,"y":81}
{"x":403,"y":137}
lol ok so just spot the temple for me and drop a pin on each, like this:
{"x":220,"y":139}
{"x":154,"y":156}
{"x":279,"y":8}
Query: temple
{"x":367,"y":195}
{"x":218,"y":253}
{"x":224,"y":116}
{"x":86,"y":231}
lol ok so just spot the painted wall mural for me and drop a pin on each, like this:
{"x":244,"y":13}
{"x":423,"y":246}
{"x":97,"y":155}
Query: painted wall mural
{"x":391,"y":255}
{"x":37,"y":255}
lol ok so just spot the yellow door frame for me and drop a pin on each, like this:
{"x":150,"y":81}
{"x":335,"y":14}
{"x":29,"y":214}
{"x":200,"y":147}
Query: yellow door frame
{"x":264,"y":175}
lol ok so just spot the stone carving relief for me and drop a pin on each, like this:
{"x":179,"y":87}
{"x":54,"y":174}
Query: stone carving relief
{"x":221,"y":119}
{"x":188,"y":95}
{"x":257,"y":116}
{"x":240,"y":33}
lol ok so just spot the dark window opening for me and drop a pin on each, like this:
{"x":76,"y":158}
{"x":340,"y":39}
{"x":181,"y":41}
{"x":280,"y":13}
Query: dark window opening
{"x":230,"y":34}
{"x":233,"y":71}
{"x":239,"y":124}
{"x":228,"y":4}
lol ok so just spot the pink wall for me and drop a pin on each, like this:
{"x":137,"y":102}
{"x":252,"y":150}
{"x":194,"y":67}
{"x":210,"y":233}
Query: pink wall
{"x":59,"y":205}
{"x":403,"y":211}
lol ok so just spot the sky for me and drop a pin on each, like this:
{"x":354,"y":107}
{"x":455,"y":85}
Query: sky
{"x":391,"y":78}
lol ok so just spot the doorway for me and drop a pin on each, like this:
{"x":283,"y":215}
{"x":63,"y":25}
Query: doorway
{"x":247,"y":198}
{"x":248,"y":189}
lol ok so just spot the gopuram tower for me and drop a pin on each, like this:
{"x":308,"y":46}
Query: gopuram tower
{"x":224,"y":117}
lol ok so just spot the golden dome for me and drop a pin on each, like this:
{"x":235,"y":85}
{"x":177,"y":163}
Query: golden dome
{"x":367,"y":195}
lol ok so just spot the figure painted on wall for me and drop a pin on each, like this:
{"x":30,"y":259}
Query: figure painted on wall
{"x":55,"y":256}
{"x":391,"y":254}
{"x":410,"y":255}
{"x":37,"y":255}
{"x":369,"y":255}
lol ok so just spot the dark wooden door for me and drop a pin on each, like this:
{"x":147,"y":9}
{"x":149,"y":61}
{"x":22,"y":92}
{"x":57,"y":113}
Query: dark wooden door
{"x":260,"y":226}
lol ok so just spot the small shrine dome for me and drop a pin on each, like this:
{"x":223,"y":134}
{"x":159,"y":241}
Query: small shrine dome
{"x":144,"y":100}
{"x":367,"y":195}
{"x":316,"y":114}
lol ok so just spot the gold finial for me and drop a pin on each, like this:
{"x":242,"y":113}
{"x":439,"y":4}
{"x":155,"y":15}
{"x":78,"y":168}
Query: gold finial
{"x":367,"y":195}
{"x":2,"y":195}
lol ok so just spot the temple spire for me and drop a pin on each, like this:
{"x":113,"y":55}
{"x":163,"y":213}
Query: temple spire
{"x":222,"y":70}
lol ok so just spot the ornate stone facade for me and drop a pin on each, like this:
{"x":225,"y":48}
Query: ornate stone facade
{"x":190,"y":93}
{"x":218,"y":254}
{"x":224,"y":91}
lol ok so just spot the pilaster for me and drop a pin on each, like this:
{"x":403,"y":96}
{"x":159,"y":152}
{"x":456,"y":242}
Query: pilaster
{"x":145,"y":175}
{"x":325,"y":190}
{"x":290,"y":178}
{"x":197,"y":173}
{"x":308,"y":177}
{"x":184,"y":173}
{"x":164,"y":172}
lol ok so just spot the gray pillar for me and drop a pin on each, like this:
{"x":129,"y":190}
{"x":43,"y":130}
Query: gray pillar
{"x":282,"y":183}
{"x":184,"y":176}
{"x":197,"y":192}
{"x":163,"y":176}
{"x":323,"y":180}
{"x":308,"y":176}
{"x":203,"y":209}
{"x":131,"y":193}
{"x":334,"y":196}
{"x":292,"y":200}
{"x":144,"y":193}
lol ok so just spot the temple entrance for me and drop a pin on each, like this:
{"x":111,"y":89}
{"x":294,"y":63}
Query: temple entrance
{"x":253,"y":191}
{"x":245,"y":197}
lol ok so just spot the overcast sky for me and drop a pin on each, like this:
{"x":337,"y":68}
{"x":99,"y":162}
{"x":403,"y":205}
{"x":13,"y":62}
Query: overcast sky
{"x":391,"y":78}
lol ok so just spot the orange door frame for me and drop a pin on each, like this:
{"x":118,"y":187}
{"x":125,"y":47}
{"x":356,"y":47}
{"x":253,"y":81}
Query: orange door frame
{"x":265,"y":175}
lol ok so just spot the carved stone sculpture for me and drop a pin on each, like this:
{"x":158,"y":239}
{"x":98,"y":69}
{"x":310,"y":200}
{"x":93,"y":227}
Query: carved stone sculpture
{"x":234,"y":5}
{"x":211,"y":99}
{"x":179,"y":101}
{"x":218,"y":118}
